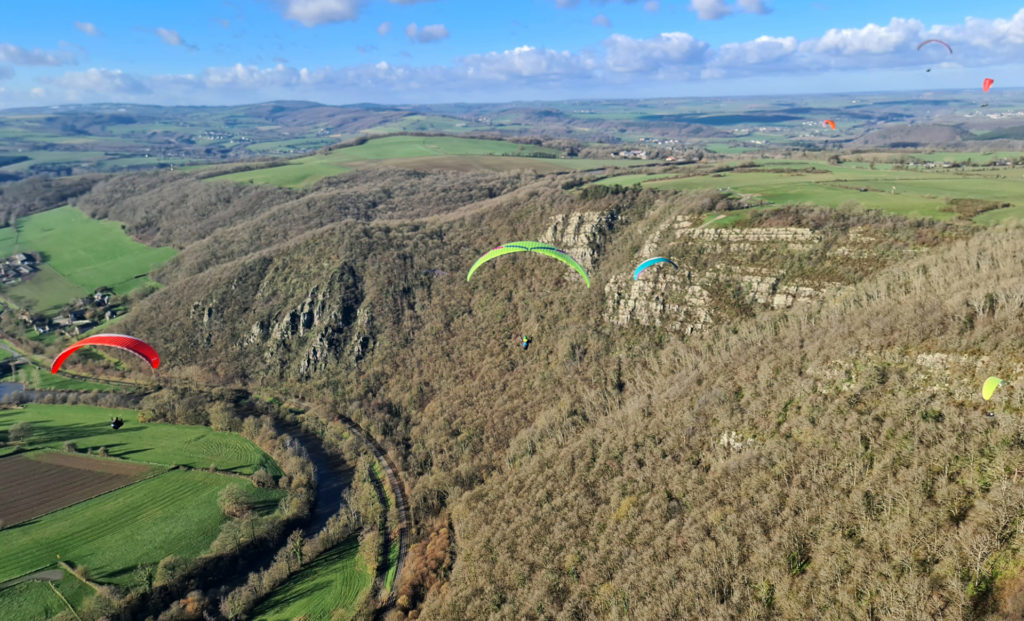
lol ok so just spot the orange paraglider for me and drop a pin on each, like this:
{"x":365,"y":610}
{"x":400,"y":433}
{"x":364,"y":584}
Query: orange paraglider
{"x":828,"y":123}
{"x":987,"y":84}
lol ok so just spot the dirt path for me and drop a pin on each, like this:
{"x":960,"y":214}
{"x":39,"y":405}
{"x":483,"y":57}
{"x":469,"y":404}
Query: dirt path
{"x":49,"y":575}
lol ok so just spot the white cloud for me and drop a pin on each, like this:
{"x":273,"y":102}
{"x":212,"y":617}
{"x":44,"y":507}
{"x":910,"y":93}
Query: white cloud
{"x":254,"y":77}
{"x":710,"y":9}
{"x":316,"y":12}
{"x":601,"y":20}
{"x":20,"y":56}
{"x":427,"y":34}
{"x":761,"y":50}
{"x":626,"y":54}
{"x":717,"y":9}
{"x":754,"y":6}
{"x":106,"y":81}
{"x":523,"y":62}
{"x":984,"y":33}
{"x":6,"y":72}
{"x":171,"y":37}
{"x":88,"y":28}
{"x":871,"y":39}
{"x":652,"y":5}
{"x":384,"y":28}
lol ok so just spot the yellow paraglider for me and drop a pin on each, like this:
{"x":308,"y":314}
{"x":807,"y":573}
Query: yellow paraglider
{"x":990,"y":386}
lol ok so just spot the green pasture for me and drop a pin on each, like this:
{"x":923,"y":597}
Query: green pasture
{"x":426,"y":123}
{"x":41,"y":379}
{"x":306,"y":170}
{"x":724,"y":147}
{"x":54,"y":157}
{"x":918,"y":193}
{"x":389,"y":578}
{"x":80,"y":255}
{"x":156,"y":443}
{"x":173,"y":513}
{"x":628,"y":180}
{"x":284,"y":146}
{"x":959,"y":156}
{"x":36,"y":600}
{"x":30,"y":601}
{"x":328,"y":589}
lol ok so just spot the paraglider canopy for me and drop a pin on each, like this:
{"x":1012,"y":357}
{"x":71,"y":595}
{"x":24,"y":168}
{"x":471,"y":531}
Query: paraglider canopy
{"x":530,"y":246}
{"x":942,"y":43}
{"x":987,"y":84}
{"x":990,"y":386}
{"x":648,"y":263}
{"x":829,"y":123}
{"x":136,"y":346}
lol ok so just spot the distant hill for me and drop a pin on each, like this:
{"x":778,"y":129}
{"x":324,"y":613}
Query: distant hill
{"x":911,"y":136}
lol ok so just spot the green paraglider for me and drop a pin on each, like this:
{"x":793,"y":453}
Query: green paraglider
{"x":530,"y":246}
{"x":990,"y":386}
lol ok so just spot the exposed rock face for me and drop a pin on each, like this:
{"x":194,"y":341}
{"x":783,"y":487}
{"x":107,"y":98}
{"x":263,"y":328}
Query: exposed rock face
{"x":668,"y":299}
{"x":316,"y":326}
{"x":581,"y":234}
{"x":795,"y":238}
{"x":679,"y":301}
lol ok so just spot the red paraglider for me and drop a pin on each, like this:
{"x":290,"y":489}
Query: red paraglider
{"x":987,"y":84}
{"x":829,"y":123}
{"x":927,"y":41}
{"x":128,"y":343}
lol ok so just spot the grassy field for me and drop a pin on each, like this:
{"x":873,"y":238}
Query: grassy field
{"x":30,"y":601}
{"x":173,"y":513}
{"x":156,"y":443}
{"x":918,"y":193}
{"x":328,"y":589}
{"x":80,"y":255}
{"x":41,"y":379}
{"x":307,"y":170}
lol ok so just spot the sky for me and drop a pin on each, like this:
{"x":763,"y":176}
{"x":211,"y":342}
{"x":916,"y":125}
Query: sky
{"x":219,"y":52}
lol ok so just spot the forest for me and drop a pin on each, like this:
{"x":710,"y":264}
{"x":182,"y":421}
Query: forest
{"x":830,"y":454}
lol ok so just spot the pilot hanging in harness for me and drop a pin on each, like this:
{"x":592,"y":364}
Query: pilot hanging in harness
{"x":526,"y":342}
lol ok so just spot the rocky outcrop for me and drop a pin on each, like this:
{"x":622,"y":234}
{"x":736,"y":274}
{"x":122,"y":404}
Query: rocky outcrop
{"x":581,"y":234}
{"x":668,"y":300}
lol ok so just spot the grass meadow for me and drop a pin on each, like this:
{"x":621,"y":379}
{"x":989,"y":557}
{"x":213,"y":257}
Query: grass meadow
{"x":155,"y":443}
{"x":328,"y":589}
{"x":172,"y":513}
{"x":918,"y":193}
{"x":304,"y":171}
{"x":80,"y":255}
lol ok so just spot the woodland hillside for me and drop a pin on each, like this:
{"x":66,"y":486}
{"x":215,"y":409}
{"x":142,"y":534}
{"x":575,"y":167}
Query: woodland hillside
{"x":789,"y":425}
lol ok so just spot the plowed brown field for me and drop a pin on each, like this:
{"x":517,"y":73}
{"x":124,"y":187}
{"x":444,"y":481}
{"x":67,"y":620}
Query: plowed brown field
{"x":35,"y":485}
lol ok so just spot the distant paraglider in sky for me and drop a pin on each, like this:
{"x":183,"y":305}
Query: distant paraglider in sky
{"x":990,"y":386}
{"x":987,"y":84}
{"x":136,"y":346}
{"x":940,"y":42}
{"x":648,"y":263}
{"x":530,"y":246}
{"x":828,"y":123}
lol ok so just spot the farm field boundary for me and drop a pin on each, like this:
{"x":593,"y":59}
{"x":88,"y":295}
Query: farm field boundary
{"x":36,"y":484}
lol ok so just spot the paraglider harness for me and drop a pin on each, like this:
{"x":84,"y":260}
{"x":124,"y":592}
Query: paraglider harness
{"x":116,"y":423}
{"x":526,"y":342}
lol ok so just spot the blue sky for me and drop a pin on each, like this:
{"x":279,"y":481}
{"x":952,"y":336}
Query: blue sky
{"x":214,"y":52}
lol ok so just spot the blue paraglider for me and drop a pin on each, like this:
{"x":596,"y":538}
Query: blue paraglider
{"x":648,"y":263}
